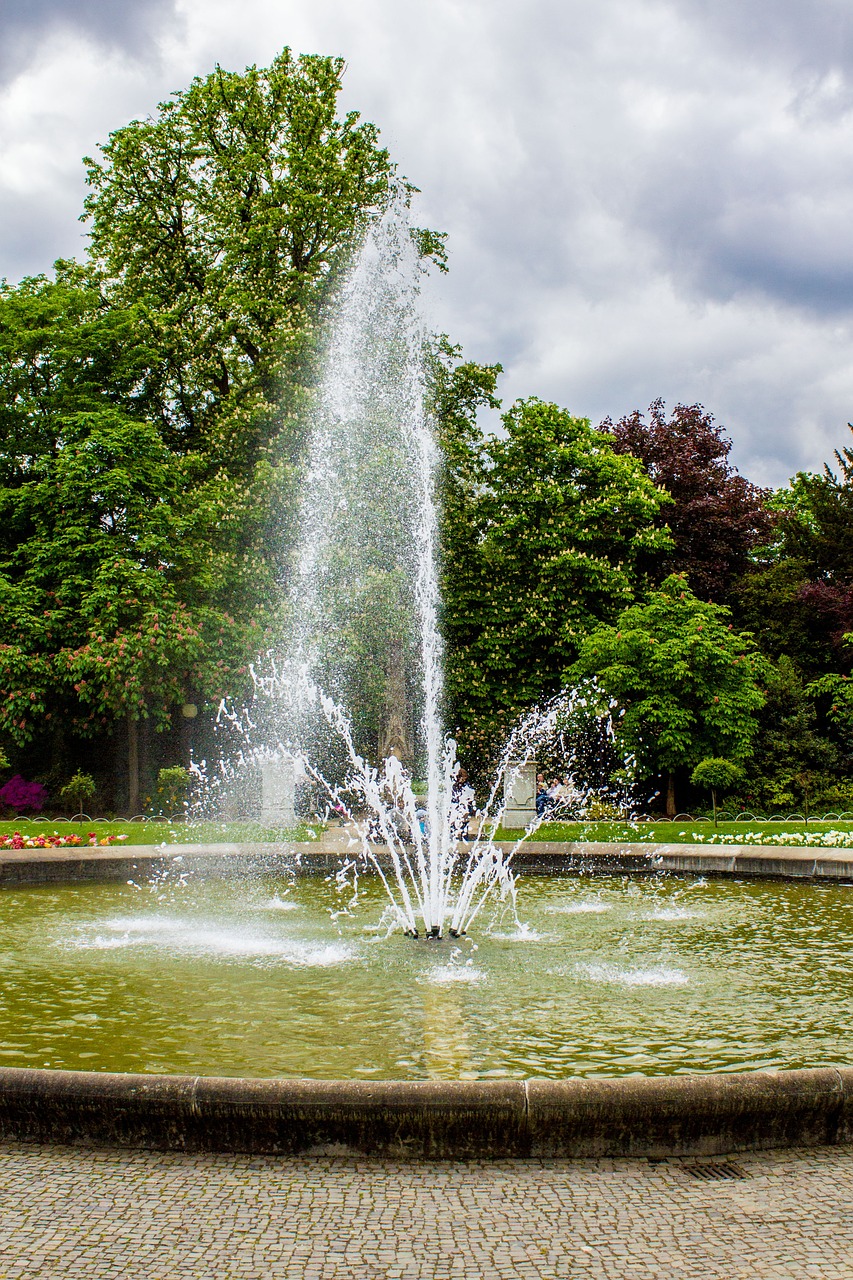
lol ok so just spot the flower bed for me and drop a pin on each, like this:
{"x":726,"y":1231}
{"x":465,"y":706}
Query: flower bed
{"x":806,"y":839}
{"x":56,"y":841}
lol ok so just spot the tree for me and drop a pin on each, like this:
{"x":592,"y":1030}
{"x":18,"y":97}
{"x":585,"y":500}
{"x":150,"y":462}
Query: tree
{"x":226,"y":219}
{"x":717,"y":516}
{"x":115,"y":570}
{"x":154,"y":400}
{"x":687,"y":685}
{"x":789,"y":747}
{"x":549,"y":525}
{"x":172,"y":784}
{"x":80,"y":788}
{"x":716,"y":775}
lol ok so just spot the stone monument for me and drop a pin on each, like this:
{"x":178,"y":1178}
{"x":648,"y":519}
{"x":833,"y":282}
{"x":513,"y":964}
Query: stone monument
{"x":278,"y":790}
{"x":519,"y":796}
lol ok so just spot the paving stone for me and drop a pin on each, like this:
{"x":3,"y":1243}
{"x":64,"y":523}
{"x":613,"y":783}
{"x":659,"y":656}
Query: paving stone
{"x":72,"y":1213}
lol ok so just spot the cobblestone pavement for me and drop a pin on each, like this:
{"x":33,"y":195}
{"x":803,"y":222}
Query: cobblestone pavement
{"x":150,"y":1216}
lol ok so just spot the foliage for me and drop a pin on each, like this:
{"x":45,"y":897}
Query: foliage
{"x":19,"y":794}
{"x":226,"y":219}
{"x":800,"y":600}
{"x":153,"y":400}
{"x":789,"y":747}
{"x":172,"y":784}
{"x":548,"y":526}
{"x":717,"y":517}
{"x":687,"y":684}
{"x":79,"y":789}
{"x":716,"y":775}
{"x":771,"y":605}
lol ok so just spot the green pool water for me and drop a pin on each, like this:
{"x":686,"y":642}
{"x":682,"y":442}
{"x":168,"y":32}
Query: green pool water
{"x":607,"y":977}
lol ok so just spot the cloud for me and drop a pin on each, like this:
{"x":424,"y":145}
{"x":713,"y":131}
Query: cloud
{"x":111,"y":23}
{"x":643,"y":197}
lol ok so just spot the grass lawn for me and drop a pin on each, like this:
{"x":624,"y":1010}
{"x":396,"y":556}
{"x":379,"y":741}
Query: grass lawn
{"x":833,"y":833}
{"x":161,"y":832}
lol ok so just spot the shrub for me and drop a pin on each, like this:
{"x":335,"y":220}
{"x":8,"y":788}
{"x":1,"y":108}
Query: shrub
{"x":172,"y":786}
{"x":20,"y":795}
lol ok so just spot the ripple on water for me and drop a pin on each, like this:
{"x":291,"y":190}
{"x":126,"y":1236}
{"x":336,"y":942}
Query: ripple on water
{"x":181,"y":936}
{"x":444,"y":973}
{"x":649,"y":976}
{"x":586,"y":907}
{"x":523,"y":933}
{"x":671,"y":913}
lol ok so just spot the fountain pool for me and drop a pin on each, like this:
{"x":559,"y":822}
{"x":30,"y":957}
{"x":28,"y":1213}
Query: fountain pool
{"x":608,"y":976}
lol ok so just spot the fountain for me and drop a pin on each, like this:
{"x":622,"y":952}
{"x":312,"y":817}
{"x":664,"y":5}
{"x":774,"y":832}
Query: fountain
{"x":365,"y":578}
{"x":367,"y":1045}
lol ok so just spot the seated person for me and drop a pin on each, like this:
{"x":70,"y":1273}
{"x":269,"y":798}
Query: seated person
{"x":463,"y":805}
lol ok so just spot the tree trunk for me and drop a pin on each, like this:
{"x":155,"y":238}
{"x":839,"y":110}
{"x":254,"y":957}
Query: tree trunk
{"x":132,"y":765}
{"x":670,"y":795}
{"x":186,"y":736}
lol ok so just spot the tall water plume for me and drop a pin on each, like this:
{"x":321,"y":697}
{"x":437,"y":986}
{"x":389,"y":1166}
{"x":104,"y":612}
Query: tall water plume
{"x":363,"y":642}
{"x":364,"y":596}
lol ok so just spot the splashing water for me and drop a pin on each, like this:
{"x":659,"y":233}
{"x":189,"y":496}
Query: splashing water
{"x":366,"y":571}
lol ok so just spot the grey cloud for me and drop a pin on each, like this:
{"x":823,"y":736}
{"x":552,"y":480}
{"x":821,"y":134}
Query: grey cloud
{"x":815,"y":35}
{"x":125,"y":24}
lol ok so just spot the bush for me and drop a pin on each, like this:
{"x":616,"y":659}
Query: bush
{"x":20,"y":795}
{"x":172,"y":786}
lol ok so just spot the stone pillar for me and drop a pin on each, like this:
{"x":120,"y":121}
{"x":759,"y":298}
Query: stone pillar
{"x":519,"y":796}
{"x":395,"y":722}
{"x":278,"y":788}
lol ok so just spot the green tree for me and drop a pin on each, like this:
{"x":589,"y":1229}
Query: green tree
{"x":687,"y":685}
{"x":153,"y":400}
{"x":226,"y":219}
{"x":790,"y":747}
{"x":172,"y":784}
{"x":547,"y":526}
{"x":80,"y":788}
{"x":716,"y":775}
{"x":116,"y":572}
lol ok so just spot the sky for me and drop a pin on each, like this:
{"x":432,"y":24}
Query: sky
{"x":643,"y":198}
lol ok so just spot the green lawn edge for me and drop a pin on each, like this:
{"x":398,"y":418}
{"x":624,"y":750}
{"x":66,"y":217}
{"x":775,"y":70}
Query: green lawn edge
{"x":163,"y":832}
{"x":661,"y":832}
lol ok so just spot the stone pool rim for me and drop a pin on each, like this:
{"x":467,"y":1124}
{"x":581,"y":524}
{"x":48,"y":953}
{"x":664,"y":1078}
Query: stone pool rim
{"x":826,"y":864}
{"x":655,"y":1117}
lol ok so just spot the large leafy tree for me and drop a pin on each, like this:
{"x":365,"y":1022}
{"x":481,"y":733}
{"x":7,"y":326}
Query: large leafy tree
{"x":549,"y":523}
{"x":153,"y":400}
{"x":225,"y":219}
{"x":110,"y":578}
{"x":688,"y":686}
{"x":792,"y":758}
{"x":717,"y":516}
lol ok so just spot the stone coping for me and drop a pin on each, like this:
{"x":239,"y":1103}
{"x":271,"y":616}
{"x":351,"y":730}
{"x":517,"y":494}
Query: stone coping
{"x":653,"y":1117}
{"x":73,"y":865}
